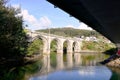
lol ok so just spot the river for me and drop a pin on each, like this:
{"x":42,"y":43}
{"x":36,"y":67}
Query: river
{"x":80,"y":66}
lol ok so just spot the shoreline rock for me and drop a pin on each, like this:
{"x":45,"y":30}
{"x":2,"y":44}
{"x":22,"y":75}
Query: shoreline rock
{"x":114,"y":63}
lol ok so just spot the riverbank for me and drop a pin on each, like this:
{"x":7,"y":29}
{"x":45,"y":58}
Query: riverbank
{"x":19,"y":61}
{"x":90,"y":51}
{"x":114,"y":63}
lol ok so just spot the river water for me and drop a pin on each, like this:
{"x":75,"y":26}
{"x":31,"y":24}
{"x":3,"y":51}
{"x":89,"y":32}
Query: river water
{"x":80,"y":66}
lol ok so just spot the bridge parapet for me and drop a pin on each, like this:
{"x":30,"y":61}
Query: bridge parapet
{"x":34,"y":34}
{"x":52,"y":35}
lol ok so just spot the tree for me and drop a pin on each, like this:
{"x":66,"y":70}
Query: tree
{"x":12,"y":36}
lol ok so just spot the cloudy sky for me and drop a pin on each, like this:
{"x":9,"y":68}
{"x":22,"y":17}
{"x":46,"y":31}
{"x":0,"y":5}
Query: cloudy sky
{"x":40,"y":14}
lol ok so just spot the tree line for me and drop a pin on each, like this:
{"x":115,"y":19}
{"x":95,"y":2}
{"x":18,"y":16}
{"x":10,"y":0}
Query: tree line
{"x":13,"y":41}
{"x":71,"y":32}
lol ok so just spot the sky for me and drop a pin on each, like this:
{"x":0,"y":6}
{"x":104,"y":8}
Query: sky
{"x":40,"y":14}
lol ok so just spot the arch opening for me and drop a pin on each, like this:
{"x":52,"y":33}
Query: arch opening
{"x":65,"y":45}
{"x":73,"y":47}
{"x":76,"y":47}
{"x":35,"y":47}
{"x":54,"y":45}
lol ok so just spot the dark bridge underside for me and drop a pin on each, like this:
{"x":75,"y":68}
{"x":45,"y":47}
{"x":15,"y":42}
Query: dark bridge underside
{"x":101,"y":15}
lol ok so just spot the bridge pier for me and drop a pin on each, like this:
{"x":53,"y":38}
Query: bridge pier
{"x":70,"y":46}
{"x":60,"y":46}
{"x":46,"y":47}
{"x":77,"y":47}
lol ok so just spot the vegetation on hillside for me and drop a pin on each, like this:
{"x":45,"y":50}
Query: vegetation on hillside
{"x":70,"y":32}
{"x":97,"y":46}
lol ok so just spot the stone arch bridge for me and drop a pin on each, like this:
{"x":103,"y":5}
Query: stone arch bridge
{"x":48,"y":38}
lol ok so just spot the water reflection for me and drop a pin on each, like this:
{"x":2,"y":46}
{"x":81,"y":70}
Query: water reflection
{"x":115,"y":73}
{"x":69,"y":60}
{"x":59,"y":58}
{"x":46,"y":64}
{"x":82,"y":73}
{"x":23,"y":72}
{"x":78,"y":66}
{"x":77,"y":59}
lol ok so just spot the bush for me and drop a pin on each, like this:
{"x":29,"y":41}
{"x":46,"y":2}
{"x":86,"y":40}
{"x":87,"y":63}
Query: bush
{"x":12,"y":36}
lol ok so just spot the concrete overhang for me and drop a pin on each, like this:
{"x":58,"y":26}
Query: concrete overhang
{"x":101,"y":15}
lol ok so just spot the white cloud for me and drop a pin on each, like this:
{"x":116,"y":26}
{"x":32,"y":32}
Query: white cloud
{"x":33,"y":22}
{"x":84,"y":26}
{"x":81,"y":26}
{"x":70,"y":26}
{"x":16,"y":6}
{"x":28,"y":17}
{"x":43,"y":22}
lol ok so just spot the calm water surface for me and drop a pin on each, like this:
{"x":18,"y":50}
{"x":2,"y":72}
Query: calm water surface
{"x":82,"y":66}
{"x":74,"y":67}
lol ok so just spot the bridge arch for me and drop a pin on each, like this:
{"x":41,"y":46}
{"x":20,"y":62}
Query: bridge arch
{"x":37,"y":41}
{"x":54,"y":44}
{"x":68,"y":45}
{"x":59,"y":46}
{"x":43,"y":38}
{"x":45,"y":43}
{"x":57,"y":40}
{"x":76,"y":46}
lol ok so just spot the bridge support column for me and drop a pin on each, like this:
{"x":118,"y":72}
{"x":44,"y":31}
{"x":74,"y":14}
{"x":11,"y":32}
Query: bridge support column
{"x":70,"y":46}
{"x":60,"y":46}
{"x":46,"y":47}
{"x":77,"y":46}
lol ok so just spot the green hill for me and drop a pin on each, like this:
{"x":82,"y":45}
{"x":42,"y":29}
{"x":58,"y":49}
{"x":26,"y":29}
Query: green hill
{"x":70,"y":32}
